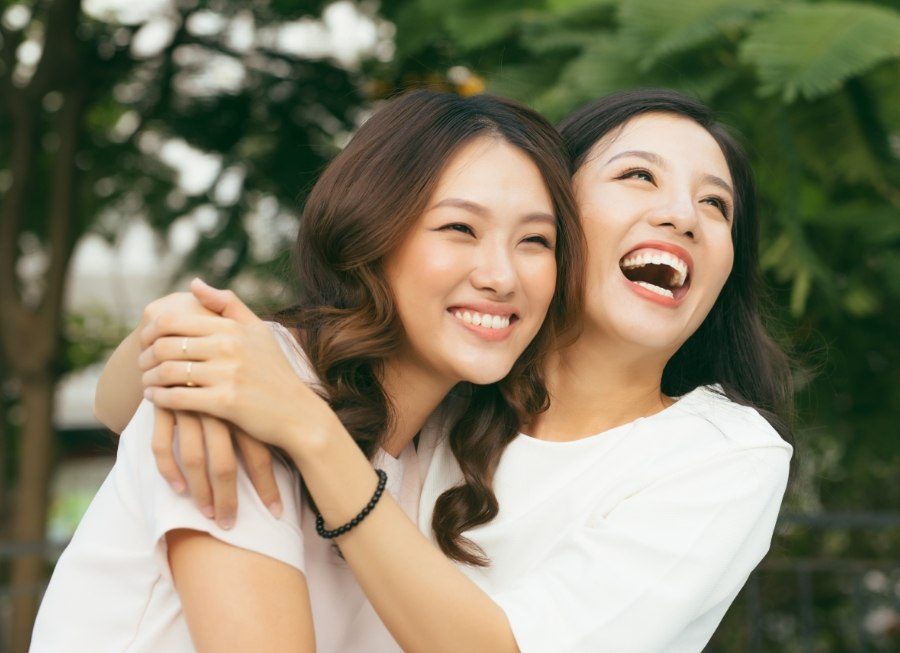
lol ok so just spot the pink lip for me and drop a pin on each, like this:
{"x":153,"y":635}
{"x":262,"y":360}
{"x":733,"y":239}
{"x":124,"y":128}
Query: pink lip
{"x":486,"y":333}
{"x":680,"y":252}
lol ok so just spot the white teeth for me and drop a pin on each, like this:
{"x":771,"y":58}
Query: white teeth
{"x":660,"y":258}
{"x":485,"y":320}
{"x":656,"y":289}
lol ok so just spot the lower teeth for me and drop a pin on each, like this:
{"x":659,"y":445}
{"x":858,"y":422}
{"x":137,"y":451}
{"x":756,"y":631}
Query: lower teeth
{"x":659,"y":291}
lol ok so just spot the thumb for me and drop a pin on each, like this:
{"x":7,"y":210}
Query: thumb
{"x":223,"y":302}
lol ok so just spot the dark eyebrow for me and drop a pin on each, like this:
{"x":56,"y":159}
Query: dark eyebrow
{"x":658,"y":160}
{"x":718,"y":181}
{"x":648,"y":156}
{"x":482,"y":211}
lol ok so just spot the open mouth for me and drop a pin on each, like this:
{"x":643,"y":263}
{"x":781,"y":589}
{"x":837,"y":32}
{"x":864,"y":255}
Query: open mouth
{"x":658,"y":271}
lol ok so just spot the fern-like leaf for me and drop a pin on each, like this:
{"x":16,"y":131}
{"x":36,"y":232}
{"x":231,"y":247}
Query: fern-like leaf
{"x":808,"y":50}
{"x":655,"y":29}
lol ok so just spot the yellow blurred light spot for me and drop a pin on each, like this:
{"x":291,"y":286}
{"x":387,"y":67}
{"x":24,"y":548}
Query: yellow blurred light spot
{"x":472,"y":86}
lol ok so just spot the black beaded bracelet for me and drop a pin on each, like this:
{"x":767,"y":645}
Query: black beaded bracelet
{"x":340,"y":530}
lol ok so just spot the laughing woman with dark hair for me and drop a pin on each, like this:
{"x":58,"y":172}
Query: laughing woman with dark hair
{"x":625,"y":514}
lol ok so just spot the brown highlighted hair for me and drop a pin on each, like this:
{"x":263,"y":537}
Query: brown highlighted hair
{"x":361,"y":209}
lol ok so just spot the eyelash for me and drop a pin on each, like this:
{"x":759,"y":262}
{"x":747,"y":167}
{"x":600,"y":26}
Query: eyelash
{"x":631,"y":172}
{"x":466,"y":229}
{"x":723,"y":204}
{"x":541,"y":240}
{"x":459,"y":227}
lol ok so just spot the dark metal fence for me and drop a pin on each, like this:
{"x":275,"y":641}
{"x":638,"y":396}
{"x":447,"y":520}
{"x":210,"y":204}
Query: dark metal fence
{"x":830,"y":584}
{"x":795,"y":602}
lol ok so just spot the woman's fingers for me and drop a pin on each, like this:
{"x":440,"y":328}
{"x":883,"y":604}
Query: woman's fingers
{"x":197,"y":400}
{"x":258,"y":461}
{"x":162,"y":444}
{"x":222,"y":467}
{"x":181,"y":324}
{"x":182,"y":373}
{"x":192,"y":452}
{"x":182,"y":348}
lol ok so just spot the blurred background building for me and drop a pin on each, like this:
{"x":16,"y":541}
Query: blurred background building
{"x":145,"y":141}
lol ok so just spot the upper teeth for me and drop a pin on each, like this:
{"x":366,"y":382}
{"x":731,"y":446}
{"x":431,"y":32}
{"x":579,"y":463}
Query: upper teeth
{"x":483,"y":319}
{"x":660,"y":258}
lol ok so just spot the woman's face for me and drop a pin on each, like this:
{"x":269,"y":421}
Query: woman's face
{"x":474,"y":278}
{"x":656,"y":199}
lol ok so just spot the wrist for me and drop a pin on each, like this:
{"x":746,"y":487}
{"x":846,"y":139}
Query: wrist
{"x":311,"y":440}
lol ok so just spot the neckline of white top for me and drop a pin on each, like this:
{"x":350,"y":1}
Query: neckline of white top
{"x":678,"y":404}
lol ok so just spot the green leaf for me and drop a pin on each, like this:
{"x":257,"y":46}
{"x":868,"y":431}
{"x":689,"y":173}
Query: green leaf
{"x":860,"y":301}
{"x":800,"y":291}
{"x":830,"y":138}
{"x":602,"y":67}
{"x":808,"y":50}
{"x":655,"y":29}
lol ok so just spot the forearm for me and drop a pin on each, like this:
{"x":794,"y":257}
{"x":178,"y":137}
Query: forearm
{"x":119,"y":390}
{"x":423,"y":599}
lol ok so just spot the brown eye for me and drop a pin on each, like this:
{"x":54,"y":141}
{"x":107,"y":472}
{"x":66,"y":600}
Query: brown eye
{"x":540,"y":240}
{"x":460,"y":227}
{"x":637,"y":173}
{"x":720,"y":204}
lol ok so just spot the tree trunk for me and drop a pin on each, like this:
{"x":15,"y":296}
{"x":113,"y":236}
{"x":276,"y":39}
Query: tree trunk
{"x":28,"y":571}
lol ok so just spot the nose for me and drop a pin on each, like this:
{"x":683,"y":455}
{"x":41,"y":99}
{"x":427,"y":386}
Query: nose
{"x":679,"y":214}
{"x":495,"y":272}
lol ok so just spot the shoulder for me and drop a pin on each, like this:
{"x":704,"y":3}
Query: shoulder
{"x":705,"y":425}
{"x":736,"y":425}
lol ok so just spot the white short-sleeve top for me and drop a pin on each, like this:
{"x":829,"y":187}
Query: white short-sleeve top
{"x":634,"y":540}
{"x":112,"y":588}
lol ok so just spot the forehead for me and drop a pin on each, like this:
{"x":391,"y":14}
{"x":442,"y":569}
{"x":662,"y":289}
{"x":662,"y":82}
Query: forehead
{"x":490,"y":168}
{"x":679,"y":141}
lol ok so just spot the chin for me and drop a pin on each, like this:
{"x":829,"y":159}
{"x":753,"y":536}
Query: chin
{"x":480,"y":373}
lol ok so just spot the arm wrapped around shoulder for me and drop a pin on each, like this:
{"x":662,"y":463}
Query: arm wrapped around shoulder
{"x":658,"y":572}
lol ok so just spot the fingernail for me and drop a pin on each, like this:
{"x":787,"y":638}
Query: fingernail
{"x":148,"y":394}
{"x":208,"y":511}
{"x":178,"y":486}
{"x":276,"y":508}
{"x":226,"y":523}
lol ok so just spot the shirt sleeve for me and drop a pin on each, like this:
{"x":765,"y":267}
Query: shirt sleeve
{"x":255,"y":529}
{"x":636,"y":579}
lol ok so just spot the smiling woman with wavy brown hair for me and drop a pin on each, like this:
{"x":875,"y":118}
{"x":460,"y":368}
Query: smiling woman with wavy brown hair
{"x":440,"y":251}
{"x":361,"y":208}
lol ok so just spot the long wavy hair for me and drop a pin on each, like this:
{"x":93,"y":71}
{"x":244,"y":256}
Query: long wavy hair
{"x":731,"y":347}
{"x":360,"y":209}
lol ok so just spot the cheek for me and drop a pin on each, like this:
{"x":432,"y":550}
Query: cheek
{"x":538,"y":279}
{"x":722,"y":259}
{"x":421,"y":272}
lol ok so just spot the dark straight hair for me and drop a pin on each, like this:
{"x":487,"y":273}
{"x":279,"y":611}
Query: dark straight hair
{"x":731,"y":347}
{"x":359,"y":211}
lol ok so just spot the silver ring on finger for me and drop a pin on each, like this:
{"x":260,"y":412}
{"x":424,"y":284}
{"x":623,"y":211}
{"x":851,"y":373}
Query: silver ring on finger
{"x":190,"y":383}
{"x":184,"y":344}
